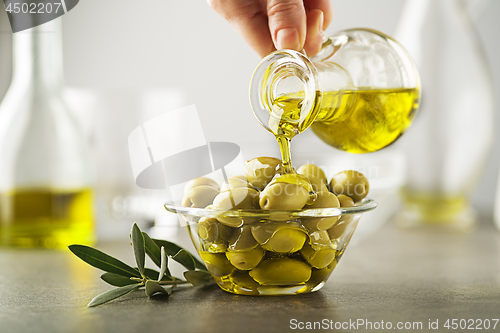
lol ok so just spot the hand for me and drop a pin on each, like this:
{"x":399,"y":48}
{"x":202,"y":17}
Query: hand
{"x":267,"y":25}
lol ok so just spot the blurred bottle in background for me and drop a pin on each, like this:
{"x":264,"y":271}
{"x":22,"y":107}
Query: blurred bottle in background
{"x":448,"y":145}
{"x":496,"y":213}
{"x":46,"y":197}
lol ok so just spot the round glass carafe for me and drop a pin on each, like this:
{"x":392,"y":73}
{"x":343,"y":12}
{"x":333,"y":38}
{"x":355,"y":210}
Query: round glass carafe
{"x":359,"y":93}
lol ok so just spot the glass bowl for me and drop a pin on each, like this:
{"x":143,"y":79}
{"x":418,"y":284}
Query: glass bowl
{"x":271,"y":252}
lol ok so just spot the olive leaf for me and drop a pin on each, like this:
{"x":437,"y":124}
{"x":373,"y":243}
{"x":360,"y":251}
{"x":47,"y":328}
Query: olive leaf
{"x":103,"y":261}
{"x":139,"y":247}
{"x":169,"y":290}
{"x":127,"y":278}
{"x":198,"y":278}
{"x":113,"y":294}
{"x":116,"y":280}
{"x":184,"y":258}
{"x":153,"y":287}
{"x":152,"y":250}
{"x":172,"y":249}
{"x":153,"y":274}
{"x":164,"y":263}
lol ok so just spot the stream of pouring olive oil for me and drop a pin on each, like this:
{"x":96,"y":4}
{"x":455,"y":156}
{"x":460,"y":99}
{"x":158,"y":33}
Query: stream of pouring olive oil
{"x":278,"y":231}
{"x":355,"y":121}
{"x":358,"y":121}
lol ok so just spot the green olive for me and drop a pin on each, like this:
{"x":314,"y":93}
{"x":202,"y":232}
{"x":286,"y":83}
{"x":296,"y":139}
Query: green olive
{"x":345,"y":201}
{"x":261,"y":170}
{"x":283,"y":196}
{"x":214,"y":247}
{"x":243,"y":280}
{"x":245,"y":260}
{"x":317,"y":184}
{"x":200,"y":181}
{"x":351,"y":183}
{"x":211,"y":230}
{"x":318,"y":258}
{"x":217,"y":263}
{"x":337,"y":230}
{"x":238,"y":198}
{"x":242,"y":239}
{"x":324,"y":199}
{"x":199,"y":196}
{"x":282,"y":271}
{"x":233,"y":183}
{"x":280,"y":237}
{"x":264,"y":230}
{"x":313,"y":170}
{"x":319,"y":276}
{"x":320,"y":239}
{"x":286,"y":241}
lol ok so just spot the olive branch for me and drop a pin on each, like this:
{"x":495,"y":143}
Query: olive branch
{"x":127,"y":278}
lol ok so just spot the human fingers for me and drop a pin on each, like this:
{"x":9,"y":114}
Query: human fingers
{"x":314,"y":36}
{"x":287,"y":23}
{"x":249,"y":19}
{"x":325,"y":6}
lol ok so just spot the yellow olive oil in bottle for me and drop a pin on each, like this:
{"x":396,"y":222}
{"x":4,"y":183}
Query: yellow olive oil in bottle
{"x":45,"y":217}
{"x":46,"y":198}
{"x":359,"y":94}
{"x":356,"y":121}
{"x":286,"y":124}
{"x":359,"y":121}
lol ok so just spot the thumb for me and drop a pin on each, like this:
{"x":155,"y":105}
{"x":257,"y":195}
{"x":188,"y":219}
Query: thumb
{"x":287,"y":23}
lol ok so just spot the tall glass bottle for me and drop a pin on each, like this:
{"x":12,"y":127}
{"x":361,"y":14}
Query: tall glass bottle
{"x":496,"y":209}
{"x":448,"y":145}
{"x":45,"y":178}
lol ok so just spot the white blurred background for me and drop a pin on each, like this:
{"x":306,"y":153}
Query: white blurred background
{"x":128,"y":61}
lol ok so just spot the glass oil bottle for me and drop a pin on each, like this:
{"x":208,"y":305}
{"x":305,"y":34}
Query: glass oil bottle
{"x":45,"y":179}
{"x":359,"y":94}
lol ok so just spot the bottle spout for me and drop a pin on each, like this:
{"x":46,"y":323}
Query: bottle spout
{"x":284,"y":78}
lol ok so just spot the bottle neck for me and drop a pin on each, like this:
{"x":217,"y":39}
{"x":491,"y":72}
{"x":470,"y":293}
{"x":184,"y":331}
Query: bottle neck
{"x":284,"y":75}
{"x":37,"y":57}
{"x":288,"y":90}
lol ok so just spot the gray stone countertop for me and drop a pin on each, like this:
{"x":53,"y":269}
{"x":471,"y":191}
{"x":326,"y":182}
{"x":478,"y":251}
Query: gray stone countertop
{"x":393,"y":276}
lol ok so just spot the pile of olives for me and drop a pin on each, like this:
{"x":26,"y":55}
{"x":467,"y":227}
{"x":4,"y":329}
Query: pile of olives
{"x":246,"y":253}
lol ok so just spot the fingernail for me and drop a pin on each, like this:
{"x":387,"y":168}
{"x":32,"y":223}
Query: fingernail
{"x":288,"y":39}
{"x":320,"y":25}
{"x":321,"y":33}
